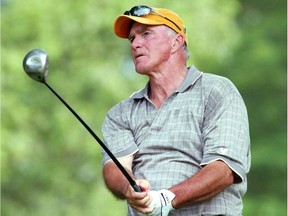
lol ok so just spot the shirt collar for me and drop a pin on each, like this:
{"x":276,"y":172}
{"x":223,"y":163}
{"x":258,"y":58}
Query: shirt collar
{"x":191,"y":77}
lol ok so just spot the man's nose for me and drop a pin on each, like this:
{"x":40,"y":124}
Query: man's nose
{"x":136,"y":43}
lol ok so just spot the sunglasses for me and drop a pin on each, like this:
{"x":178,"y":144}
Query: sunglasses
{"x":143,"y":10}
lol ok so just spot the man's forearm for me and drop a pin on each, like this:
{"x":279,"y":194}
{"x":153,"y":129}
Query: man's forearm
{"x":204,"y":185}
{"x":115,"y":180}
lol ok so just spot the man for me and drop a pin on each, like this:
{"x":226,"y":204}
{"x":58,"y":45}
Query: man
{"x":184,"y":137}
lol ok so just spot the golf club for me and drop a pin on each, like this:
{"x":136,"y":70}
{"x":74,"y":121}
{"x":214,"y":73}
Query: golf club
{"x":35,"y":65}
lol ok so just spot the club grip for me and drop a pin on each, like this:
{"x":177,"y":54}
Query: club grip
{"x":136,"y":188}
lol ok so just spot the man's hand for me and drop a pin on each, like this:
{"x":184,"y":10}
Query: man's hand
{"x":161,"y":202}
{"x":140,"y":201}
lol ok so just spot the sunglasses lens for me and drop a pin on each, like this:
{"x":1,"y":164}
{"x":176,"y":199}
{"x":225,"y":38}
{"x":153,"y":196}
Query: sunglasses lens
{"x":141,"y":11}
{"x":138,"y":11}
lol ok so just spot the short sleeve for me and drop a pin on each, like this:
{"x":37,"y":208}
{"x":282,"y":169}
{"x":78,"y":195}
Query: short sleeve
{"x":226,"y":130}
{"x":117,"y":135}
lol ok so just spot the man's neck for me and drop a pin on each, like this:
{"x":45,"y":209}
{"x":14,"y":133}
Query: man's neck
{"x":165,"y":83}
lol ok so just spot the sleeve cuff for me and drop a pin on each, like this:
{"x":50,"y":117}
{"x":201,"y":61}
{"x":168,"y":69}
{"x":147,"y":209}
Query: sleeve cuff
{"x":121,"y":154}
{"x":239,"y":173}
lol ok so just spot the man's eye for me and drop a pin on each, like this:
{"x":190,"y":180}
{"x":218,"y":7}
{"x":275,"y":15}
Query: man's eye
{"x":146,"y":33}
{"x":131,"y":39}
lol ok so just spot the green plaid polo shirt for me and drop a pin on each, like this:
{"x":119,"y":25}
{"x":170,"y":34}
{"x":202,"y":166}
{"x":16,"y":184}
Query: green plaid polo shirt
{"x":203,"y":121}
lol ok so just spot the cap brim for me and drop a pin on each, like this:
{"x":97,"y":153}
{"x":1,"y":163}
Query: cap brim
{"x":123,"y":23}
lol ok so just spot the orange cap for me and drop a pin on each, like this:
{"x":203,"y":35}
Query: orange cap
{"x":160,"y":16}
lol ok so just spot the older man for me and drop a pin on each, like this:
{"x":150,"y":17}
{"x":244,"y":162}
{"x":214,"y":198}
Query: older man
{"x":184,"y":137}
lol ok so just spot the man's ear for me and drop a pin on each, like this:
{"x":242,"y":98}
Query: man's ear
{"x":178,"y":42}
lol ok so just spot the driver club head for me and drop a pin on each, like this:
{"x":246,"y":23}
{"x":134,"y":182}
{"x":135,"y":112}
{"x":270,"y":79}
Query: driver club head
{"x":35,"y":64}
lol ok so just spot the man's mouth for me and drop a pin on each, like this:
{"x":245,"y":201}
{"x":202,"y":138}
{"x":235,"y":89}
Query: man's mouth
{"x":138,"y":56}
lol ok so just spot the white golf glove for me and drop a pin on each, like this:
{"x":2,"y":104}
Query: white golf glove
{"x":161,"y":202}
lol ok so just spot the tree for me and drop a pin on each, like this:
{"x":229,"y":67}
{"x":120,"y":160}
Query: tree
{"x":51,"y":165}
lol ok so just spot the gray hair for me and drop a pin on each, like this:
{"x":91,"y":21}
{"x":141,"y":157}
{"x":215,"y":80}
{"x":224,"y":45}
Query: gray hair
{"x":186,"y":51}
{"x":171,"y":32}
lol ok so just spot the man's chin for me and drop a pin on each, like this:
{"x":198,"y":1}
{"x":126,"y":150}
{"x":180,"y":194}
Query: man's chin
{"x":141,"y":70}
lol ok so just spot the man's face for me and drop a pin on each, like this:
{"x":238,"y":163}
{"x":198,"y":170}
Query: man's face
{"x":150,"y":47}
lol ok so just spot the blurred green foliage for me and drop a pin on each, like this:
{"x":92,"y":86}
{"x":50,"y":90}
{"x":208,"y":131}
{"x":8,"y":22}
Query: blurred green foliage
{"x":50,"y":165}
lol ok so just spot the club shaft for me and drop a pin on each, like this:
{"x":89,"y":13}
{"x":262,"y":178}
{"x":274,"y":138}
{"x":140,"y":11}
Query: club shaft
{"x":118,"y":164}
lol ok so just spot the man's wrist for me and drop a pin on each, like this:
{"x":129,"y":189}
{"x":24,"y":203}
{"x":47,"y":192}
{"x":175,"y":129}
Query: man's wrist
{"x":174,"y":200}
{"x":173,"y":203}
